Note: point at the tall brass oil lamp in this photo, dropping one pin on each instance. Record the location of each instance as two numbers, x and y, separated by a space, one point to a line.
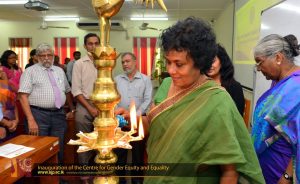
105 97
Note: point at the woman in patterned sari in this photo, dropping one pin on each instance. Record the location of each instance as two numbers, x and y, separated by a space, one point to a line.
13 73
276 129
8 111
194 124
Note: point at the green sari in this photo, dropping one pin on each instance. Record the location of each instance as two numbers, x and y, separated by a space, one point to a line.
199 126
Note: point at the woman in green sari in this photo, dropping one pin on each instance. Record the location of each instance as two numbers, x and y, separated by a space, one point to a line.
194 121
194 125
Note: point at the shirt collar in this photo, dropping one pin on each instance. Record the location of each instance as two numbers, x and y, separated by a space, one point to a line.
44 68
137 75
86 58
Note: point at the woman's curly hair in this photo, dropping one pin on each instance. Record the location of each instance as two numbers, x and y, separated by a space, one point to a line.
194 36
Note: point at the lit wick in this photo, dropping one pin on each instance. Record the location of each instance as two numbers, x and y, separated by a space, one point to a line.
141 128
133 117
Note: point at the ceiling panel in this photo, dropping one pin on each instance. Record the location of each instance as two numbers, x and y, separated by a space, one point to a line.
177 9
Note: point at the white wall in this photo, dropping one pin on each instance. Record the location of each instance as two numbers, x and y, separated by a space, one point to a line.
224 27
119 40
240 3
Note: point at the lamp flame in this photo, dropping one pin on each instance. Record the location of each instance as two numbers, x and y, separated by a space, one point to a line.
133 117
141 128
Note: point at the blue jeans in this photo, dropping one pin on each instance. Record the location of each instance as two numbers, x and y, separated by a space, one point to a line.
51 124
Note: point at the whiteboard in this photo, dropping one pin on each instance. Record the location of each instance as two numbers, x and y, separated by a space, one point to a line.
282 19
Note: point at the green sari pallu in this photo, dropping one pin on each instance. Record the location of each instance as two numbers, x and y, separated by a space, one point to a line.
197 131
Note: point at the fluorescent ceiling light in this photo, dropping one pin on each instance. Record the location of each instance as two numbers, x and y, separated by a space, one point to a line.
61 18
13 2
149 18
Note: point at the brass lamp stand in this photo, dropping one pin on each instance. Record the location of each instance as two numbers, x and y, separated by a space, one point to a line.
106 134
105 97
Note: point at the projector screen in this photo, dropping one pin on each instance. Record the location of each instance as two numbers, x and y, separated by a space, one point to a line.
247 33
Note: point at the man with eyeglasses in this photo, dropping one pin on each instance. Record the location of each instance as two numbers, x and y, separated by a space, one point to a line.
84 75
43 91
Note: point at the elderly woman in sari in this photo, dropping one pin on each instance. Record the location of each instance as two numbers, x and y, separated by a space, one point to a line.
193 119
276 129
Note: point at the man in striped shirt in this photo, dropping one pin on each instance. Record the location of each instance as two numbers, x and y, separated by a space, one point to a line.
43 91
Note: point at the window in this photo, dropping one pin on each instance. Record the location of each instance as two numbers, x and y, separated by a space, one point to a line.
144 50
64 47
21 46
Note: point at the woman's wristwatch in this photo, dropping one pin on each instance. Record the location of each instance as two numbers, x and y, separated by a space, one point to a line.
288 177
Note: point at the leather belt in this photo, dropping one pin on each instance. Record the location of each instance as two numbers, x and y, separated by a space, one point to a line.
46 109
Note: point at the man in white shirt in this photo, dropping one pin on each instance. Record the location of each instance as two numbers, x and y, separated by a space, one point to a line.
43 91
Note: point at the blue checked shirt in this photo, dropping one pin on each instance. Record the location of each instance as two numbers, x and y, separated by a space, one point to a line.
139 90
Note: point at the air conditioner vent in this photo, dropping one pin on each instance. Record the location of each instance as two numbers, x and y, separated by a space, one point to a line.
36 5
115 25
87 24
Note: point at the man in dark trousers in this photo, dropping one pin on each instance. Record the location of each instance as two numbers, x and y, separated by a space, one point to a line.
43 91
136 87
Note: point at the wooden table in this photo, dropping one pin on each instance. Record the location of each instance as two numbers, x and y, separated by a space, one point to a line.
46 149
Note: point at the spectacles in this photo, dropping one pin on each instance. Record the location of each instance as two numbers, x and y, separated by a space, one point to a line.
259 63
46 56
